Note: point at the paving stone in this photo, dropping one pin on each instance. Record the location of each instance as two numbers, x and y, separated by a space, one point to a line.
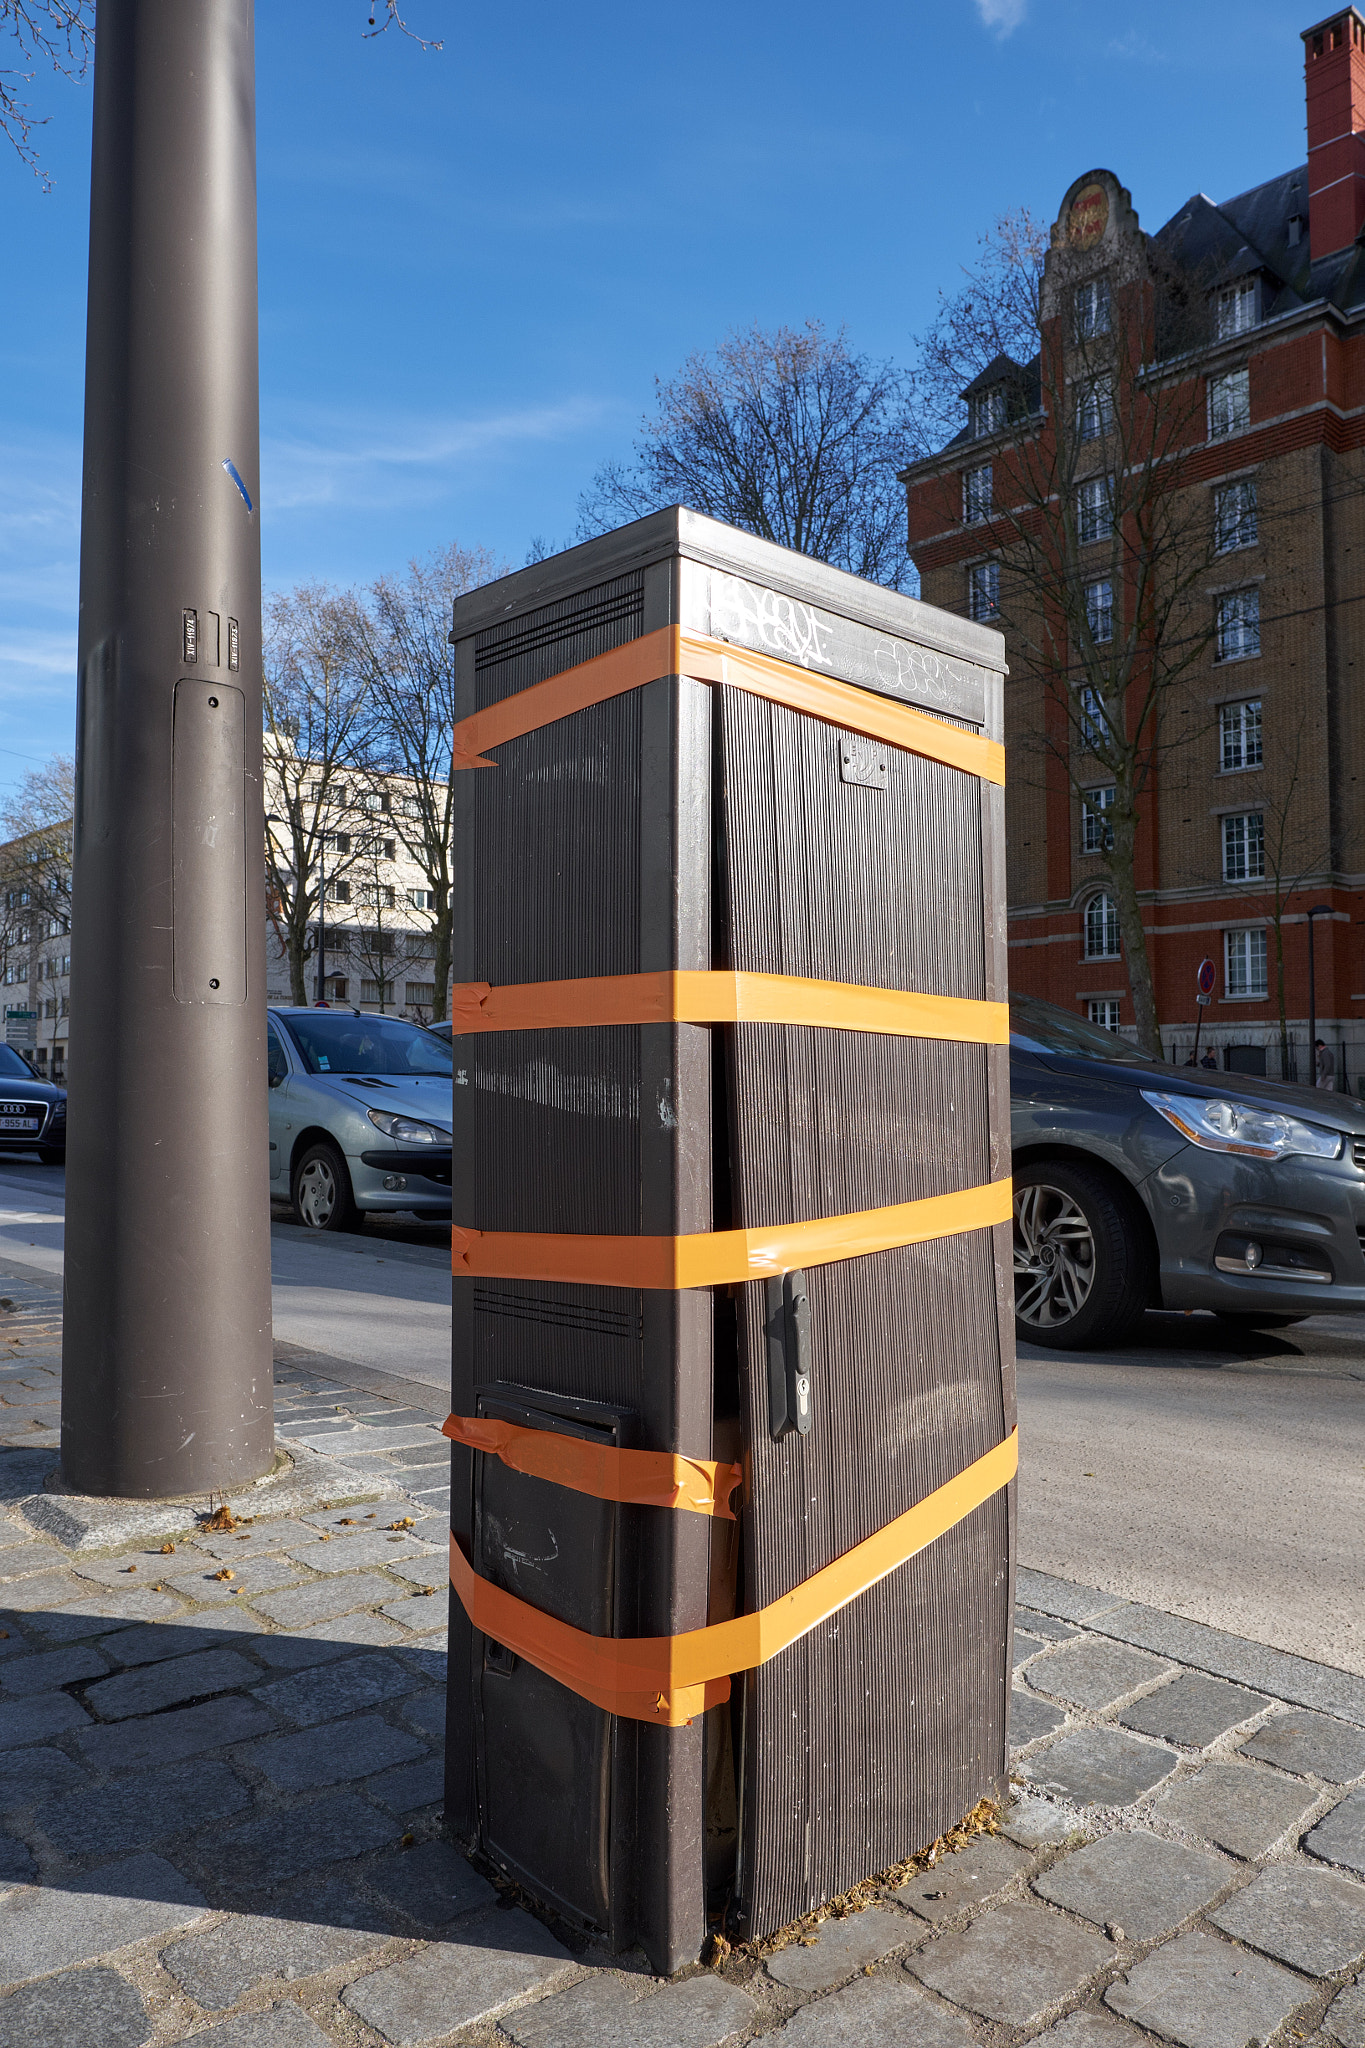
324 1756
16 1862
20 1559
1013 1963
13 1643
430 1569
153 1686
1240 1809
140 1811
1088 2030
278 1845
428 1654
249 1576
1099 1767
977 1872
225 1962
156 1642
297 1606
284 2026
1311 1745
36 1775
1031 1717
1062 1597
836 1948
1036 1823
876 2012
1045 1625
79 2009
1345 2020
381 1511
495 1959
1203 1993
52 1927
1276 1672
411 1787
432 1884
1339 1836
125 1574
1136 1882
46 1670
163 1739
427 1713
412 1612
1025 1646
374 1547
327 1640
1311 1919
310 1697
252 1542
1091 1672
1194 1711
608 2011
48 1589
33 1720
93 1612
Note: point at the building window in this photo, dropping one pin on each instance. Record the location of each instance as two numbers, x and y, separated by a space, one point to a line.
419 991
376 991
1234 516
1091 308
1097 832
338 892
1101 928
372 800
1229 404
1244 847
983 590
1237 308
1104 1011
1239 735
1238 626
976 494
1094 510
986 411
377 896
410 807
422 899
1094 409
338 842
1094 720
1099 611
1244 963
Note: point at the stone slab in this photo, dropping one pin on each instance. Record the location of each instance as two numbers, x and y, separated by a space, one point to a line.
429 1654
47 1589
1088 2030
1045 1625
261 1539
249 1576
1135 1882
496 1960
1314 1920
1311 1745
1285 1677
1025 1646
55 1926
48 1670
1339 1836
273 1846
1063 1598
1037 1823
412 1612
296 1606
411 1786
1031 1717
1345 2019
151 1687
834 1949
35 1719
1194 1711
427 1713
388 1508
1201 1992
422 1572
310 1697
430 1885
1242 1810
608 2011
964 1879
1092 1672
324 1756
1099 1767
78 2009
96 1610
1013 1963
224 1963
168 1738
140 1811
325 1641
37 1775
16 1863
18 1560
876 2012
379 1549
284 2026
155 1642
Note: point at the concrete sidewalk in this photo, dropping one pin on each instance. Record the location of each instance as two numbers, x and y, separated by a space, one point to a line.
220 1802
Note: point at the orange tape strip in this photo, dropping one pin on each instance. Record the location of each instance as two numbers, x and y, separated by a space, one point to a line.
651 1479
671 1679
723 998
719 1258
670 652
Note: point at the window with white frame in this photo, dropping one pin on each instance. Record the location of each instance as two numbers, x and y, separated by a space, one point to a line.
377 896
1094 509
983 590
1097 831
1090 308
419 991
1244 963
1101 928
1094 409
1237 635
1237 307
422 899
1234 515
1229 404
1104 1011
372 800
376 991
410 806
1094 720
1099 610
976 494
1244 847
1239 735
338 892
986 410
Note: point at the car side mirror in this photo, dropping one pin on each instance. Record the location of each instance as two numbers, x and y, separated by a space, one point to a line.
275 1077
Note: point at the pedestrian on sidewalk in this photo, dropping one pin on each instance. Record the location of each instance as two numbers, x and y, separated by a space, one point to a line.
1325 1061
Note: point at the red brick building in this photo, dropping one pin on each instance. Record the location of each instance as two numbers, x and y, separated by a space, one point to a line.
1266 799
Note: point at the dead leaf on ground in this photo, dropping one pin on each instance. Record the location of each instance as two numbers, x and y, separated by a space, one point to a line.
168 1550
130 1567
403 1522
325 1537
223 1574
221 1519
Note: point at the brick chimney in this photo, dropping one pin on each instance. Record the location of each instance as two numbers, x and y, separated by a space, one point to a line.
1334 79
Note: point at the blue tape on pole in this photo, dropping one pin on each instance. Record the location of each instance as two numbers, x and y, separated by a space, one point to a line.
233 472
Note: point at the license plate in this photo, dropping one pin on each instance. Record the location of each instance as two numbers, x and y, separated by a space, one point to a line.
19 1123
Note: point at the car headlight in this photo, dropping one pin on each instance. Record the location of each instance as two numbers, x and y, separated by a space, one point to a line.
404 1131
1222 1126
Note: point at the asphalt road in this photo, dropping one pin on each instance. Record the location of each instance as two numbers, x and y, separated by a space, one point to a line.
1222 1481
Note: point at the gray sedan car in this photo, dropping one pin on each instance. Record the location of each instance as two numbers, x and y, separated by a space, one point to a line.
360 1110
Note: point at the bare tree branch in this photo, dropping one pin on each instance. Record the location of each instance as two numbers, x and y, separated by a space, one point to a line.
56 32
393 19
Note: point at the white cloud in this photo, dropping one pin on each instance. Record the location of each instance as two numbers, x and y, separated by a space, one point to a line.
1004 16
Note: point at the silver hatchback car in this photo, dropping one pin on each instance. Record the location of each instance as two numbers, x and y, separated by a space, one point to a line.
360 1110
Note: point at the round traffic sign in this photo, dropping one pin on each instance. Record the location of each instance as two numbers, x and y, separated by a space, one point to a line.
1206 974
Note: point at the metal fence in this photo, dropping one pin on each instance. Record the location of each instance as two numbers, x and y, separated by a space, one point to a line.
1259 1052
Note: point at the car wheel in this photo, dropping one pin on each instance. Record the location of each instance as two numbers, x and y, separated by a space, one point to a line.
1249 1319
1082 1266
321 1190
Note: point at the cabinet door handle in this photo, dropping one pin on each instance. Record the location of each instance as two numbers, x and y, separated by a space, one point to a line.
789 1355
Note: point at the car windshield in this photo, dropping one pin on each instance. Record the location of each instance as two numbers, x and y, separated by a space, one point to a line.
1042 1027
12 1067
336 1042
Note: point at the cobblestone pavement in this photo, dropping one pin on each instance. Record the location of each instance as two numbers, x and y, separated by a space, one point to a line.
220 1804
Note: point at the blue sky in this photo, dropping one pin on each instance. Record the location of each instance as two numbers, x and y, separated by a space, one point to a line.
474 264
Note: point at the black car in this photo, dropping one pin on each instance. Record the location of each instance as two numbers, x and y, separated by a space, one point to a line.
32 1112
1140 1185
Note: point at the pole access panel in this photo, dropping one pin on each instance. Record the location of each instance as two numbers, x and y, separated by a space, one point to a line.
732 1388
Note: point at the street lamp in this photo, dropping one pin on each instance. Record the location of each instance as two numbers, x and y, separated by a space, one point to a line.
1318 910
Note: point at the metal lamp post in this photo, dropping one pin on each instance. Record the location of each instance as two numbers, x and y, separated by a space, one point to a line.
167 1373
1318 910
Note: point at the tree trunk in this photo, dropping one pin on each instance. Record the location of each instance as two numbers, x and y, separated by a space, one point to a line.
1124 885
1277 920
296 951
440 933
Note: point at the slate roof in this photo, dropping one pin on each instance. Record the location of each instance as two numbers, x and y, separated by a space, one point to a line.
1239 237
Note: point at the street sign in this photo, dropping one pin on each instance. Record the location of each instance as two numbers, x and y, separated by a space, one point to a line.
21 1027
1206 978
